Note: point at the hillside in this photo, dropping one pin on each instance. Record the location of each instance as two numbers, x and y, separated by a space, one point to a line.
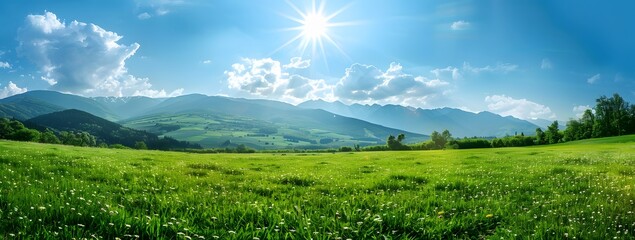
581 190
460 123
219 121
34 103
104 130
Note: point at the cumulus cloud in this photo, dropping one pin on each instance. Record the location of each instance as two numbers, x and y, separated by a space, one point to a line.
10 90
297 62
5 65
460 25
594 78
519 108
159 7
269 78
207 61
144 16
498 68
158 93
360 83
579 110
454 72
78 57
546 64
369 84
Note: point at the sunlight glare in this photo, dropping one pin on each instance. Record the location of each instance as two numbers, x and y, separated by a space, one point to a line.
314 26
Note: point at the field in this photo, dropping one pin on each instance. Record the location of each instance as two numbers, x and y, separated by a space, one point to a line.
583 190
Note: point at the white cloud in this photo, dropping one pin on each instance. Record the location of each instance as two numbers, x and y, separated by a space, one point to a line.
78 57
207 61
158 93
159 7
546 64
360 83
297 62
460 25
144 16
442 72
269 78
498 68
10 90
519 108
5 65
579 110
369 84
594 78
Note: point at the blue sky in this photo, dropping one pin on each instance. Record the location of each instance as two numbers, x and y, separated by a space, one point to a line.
529 59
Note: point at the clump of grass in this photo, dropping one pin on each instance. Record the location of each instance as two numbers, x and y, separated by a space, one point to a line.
297 181
400 182
197 173
577 161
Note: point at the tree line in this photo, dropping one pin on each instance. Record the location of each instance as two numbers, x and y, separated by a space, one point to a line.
12 129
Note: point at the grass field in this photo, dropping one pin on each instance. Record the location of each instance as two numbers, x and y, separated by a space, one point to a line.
583 190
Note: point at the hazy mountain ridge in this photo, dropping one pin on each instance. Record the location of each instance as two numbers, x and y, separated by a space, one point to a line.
459 122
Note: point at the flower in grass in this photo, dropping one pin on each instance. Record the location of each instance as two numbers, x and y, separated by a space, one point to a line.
489 215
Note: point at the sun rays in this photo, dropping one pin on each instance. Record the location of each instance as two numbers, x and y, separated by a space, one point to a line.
314 29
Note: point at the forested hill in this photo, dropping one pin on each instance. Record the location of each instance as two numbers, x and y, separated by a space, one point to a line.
73 120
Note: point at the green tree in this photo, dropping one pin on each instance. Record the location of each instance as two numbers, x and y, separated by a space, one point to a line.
140 145
574 130
553 133
49 137
440 139
611 116
631 120
541 138
395 143
87 140
5 128
587 121
25 134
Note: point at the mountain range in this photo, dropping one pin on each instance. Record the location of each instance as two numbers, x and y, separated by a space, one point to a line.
215 121
460 123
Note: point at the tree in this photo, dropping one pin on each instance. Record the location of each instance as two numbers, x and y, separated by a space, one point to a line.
541 138
440 139
587 121
395 143
87 140
631 120
5 128
553 134
25 134
49 137
611 116
140 145
573 131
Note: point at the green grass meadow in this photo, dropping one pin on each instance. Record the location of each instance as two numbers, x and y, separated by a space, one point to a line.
579 190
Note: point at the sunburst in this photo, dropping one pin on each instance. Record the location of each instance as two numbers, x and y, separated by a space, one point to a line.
314 28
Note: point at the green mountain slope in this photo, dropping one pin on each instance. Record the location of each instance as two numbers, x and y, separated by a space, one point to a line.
35 103
104 130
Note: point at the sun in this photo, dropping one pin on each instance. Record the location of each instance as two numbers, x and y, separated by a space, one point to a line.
314 29
314 26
